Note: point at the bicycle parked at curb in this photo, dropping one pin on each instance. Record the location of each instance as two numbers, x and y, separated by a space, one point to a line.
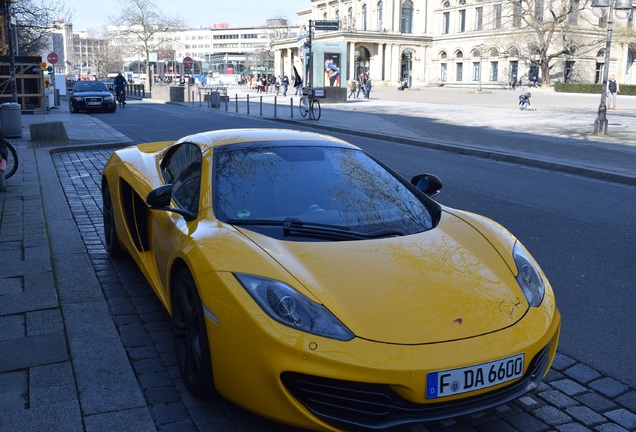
12 160
309 104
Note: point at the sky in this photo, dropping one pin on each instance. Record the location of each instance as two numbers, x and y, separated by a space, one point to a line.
92 14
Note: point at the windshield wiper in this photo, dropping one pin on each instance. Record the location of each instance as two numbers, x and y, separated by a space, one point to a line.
296 227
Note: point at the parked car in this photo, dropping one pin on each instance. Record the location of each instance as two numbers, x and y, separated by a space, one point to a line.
91 96
313 285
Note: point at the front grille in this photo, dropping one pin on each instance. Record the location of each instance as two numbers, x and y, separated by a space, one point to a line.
354 406
93 99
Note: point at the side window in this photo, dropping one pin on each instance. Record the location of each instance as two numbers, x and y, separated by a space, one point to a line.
182 169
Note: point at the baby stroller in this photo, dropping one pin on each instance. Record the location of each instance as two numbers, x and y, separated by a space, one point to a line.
524 101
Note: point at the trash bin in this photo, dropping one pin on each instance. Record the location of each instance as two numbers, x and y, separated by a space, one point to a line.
215 99
11 120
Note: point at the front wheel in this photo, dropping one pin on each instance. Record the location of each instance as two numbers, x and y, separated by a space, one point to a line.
12 160
315 110
113 247
303 106
190 336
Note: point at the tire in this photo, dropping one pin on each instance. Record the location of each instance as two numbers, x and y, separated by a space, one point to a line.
12 160
303 106
190 336
71 108
111 239
315 110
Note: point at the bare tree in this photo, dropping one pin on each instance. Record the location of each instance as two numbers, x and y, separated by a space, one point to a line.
141 28
35 19
547 30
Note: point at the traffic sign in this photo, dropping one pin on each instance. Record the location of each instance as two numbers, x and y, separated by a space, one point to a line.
52 58
188 62
327 25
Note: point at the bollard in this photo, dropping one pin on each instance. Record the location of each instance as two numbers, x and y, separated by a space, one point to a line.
236 101
226 101
291 107
248 103
275 106
261 105
192 97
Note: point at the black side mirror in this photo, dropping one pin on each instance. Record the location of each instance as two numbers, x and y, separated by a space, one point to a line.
427 183
159 199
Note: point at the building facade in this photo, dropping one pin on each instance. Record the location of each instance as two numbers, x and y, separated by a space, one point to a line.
490 43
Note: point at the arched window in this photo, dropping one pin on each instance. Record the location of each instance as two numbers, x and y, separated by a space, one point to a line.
380 13
364 16
337 15
406 19
446 19
350 17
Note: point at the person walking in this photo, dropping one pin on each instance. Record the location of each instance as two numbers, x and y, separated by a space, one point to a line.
353 86
285 82
612 89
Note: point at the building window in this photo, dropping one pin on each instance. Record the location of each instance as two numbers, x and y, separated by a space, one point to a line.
574 12
516 17
445 22
459 73
337 15
406 24
497 13
476 71
364 17
494 71
442 72
462 20
538 10
380 13
479 18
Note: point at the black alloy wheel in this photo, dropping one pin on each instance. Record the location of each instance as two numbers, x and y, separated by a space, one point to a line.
113 247
190 336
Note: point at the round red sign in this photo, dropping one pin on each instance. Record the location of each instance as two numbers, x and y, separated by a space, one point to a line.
188 62
52 58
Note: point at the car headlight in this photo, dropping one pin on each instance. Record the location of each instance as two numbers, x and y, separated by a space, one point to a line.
287 306
108 98
79 98
528 276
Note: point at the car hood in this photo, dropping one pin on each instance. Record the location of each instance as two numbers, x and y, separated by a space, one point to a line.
445 284
92 94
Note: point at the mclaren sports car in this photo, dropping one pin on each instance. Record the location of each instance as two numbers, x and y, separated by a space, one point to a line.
313 285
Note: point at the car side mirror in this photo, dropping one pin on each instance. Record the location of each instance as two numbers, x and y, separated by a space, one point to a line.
160 198
427 183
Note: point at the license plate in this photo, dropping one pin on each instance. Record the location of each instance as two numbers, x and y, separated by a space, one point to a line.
93 103
471 378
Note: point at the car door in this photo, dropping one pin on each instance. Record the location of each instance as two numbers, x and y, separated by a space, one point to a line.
182 168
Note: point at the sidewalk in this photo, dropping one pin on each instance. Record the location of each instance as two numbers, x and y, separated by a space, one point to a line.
59 374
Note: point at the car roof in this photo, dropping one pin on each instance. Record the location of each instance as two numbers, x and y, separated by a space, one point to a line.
226 137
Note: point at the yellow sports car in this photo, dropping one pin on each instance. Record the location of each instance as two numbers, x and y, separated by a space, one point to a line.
311 284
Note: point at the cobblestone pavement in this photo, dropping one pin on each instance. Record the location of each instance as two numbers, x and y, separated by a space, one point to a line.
572 398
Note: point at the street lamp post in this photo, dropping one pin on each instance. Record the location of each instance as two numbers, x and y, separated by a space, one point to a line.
599 9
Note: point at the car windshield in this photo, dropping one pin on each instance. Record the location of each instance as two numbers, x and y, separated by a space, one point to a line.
90 86
298 191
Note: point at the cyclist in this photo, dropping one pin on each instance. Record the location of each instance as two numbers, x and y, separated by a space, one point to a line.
120 88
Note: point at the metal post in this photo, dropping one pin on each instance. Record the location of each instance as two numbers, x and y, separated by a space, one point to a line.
291 107
248 103
600 124
261 106
275 106
236 102
7 26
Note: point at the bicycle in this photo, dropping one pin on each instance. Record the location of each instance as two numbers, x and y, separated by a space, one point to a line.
121 96
12 160
309 105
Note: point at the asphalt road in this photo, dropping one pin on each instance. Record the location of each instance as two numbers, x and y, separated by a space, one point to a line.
579 229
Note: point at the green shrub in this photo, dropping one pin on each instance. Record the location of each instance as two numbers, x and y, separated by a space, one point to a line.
625 89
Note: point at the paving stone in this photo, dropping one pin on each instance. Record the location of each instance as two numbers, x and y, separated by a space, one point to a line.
585 415
573 427
582 373
32 351
562 362
552 415
527 423
137 419
55 382
154 379
569 387
13 391
44 322
610 427
609 387
628 400
623 417
596 402
183 426
169 413
162 395
12 327
495 426
558 399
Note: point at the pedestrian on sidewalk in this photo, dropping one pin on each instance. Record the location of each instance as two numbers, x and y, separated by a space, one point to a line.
4 151
285 82
612 89
524 101
353 86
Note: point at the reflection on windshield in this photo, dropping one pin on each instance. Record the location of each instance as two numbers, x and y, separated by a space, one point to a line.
323 185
